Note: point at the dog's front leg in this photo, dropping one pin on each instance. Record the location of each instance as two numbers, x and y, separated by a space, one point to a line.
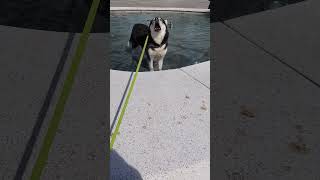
161 59
150 57
160 64
151 64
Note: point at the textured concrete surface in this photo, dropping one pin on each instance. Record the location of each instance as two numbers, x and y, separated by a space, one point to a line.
280 140
291 33
197 171
167 123
166 3
79 150
199 72
27 67
266 116
25 73
80 147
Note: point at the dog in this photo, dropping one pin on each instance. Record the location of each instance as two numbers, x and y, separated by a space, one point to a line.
157 44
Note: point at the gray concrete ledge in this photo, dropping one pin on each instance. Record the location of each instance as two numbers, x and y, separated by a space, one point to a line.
199 10
154 3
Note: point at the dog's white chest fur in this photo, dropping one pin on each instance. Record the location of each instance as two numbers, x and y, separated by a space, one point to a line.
157 54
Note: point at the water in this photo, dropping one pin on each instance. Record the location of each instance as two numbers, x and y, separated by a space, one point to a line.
189 38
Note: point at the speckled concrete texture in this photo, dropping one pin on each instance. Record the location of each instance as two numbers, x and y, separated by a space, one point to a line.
291 33
26 69
167 123
80 147
266 116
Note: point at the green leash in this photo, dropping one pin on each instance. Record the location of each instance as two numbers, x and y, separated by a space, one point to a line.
114 135
67 86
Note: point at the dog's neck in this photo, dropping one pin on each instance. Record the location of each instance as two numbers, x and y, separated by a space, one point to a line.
158 36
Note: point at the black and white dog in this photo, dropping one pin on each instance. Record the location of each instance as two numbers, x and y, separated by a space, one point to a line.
157 44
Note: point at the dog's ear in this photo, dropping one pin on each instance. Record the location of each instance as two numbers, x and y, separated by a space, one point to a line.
166 21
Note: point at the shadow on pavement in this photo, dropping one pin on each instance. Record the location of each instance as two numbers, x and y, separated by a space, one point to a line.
58 15
120 169
229 9
120 104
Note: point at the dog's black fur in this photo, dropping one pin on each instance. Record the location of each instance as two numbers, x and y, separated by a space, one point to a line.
139 34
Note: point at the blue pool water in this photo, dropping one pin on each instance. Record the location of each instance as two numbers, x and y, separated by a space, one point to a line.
189 39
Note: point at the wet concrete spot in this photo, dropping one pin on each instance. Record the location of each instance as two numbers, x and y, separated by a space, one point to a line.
59 131
286 168
91 156
144 127
299 128
228 152
298 147
187 97
179 122
236 175
149 117
241 132
184 117
247 112
149 104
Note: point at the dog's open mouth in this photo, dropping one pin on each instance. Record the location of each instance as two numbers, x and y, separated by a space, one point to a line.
157 27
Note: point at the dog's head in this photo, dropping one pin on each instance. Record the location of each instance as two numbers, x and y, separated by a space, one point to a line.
158 25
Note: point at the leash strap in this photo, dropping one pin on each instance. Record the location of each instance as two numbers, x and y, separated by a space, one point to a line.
115 133
67 86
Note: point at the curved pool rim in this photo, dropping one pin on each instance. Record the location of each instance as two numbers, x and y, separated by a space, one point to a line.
196 10
182 10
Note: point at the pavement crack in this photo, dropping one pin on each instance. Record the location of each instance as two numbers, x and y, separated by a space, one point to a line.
277 58
195 79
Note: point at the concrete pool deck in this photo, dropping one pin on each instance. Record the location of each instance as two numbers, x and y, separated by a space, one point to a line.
167 122
267 94
27 69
